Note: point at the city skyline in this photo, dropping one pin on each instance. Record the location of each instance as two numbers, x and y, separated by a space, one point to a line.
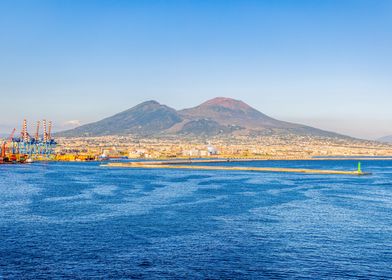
323 64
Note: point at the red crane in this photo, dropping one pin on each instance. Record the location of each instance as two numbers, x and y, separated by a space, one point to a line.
50 131
4 146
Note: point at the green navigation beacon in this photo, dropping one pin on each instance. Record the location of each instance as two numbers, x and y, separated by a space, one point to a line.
359 167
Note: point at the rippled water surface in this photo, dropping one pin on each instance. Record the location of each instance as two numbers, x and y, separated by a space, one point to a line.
80 220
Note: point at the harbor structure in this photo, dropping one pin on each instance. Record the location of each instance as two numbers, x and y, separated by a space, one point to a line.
26 147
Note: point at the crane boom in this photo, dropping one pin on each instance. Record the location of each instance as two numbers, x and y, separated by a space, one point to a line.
37 131
12 135
45 133
50 130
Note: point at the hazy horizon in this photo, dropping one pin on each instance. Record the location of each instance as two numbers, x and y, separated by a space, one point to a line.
325 64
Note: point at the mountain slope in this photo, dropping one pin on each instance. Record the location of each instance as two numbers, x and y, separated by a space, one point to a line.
228 111
235 115
385 139
218 116
147 118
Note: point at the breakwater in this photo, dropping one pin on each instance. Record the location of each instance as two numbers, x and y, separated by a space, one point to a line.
189 164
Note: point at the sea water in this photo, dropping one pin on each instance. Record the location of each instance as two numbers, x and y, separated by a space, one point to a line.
81 220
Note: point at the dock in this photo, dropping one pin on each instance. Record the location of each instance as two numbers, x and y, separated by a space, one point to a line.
187 164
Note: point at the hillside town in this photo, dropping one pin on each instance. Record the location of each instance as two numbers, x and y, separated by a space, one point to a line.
265 147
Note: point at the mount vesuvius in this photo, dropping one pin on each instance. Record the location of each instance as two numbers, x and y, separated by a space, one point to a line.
216 117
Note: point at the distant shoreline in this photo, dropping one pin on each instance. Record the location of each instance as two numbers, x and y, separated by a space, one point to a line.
212 160
187 160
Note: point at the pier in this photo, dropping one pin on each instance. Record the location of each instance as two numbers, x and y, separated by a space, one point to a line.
188 164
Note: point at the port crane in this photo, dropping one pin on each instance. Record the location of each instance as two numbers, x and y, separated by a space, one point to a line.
4 145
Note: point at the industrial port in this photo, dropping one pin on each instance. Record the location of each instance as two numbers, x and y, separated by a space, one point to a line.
26 147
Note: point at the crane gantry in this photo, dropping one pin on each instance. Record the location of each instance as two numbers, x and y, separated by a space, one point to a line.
24 147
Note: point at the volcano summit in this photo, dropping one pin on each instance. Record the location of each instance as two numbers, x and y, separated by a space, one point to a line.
216 117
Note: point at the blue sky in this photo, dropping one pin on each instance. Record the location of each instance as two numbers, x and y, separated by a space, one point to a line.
319 62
